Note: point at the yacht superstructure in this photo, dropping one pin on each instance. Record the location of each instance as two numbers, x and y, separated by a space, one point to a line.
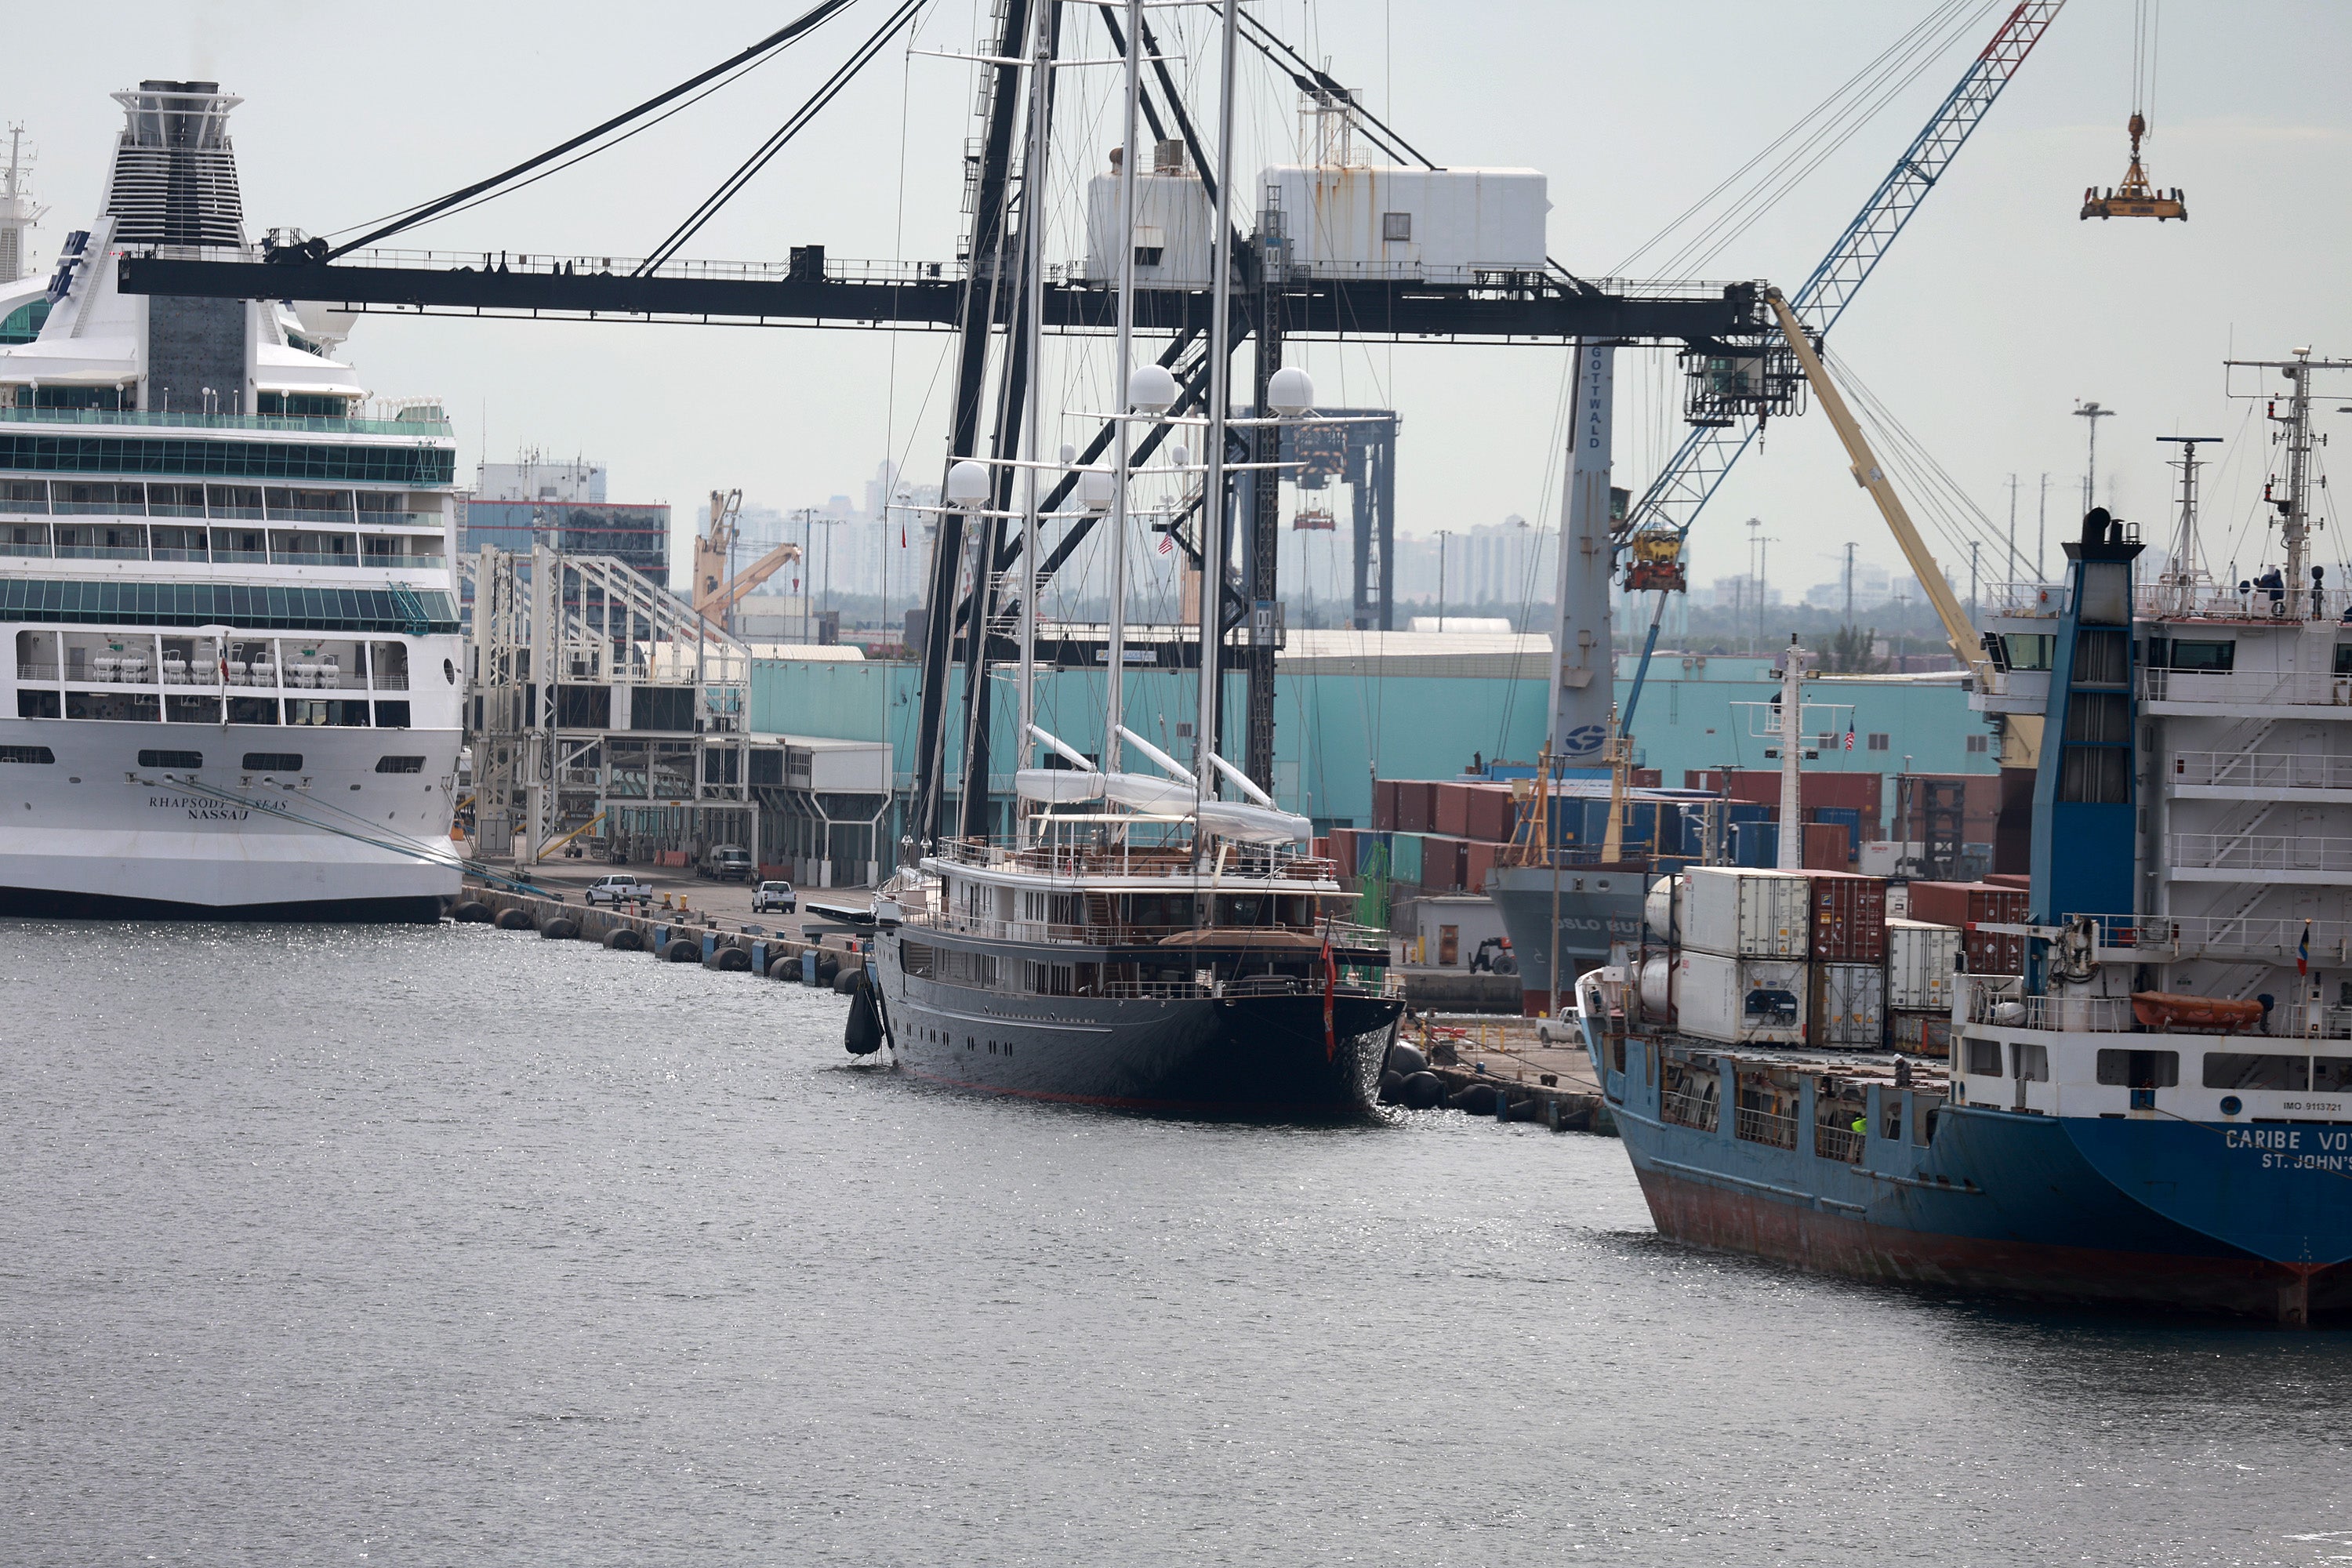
233 672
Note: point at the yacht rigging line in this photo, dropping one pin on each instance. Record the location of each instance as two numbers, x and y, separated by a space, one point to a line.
782 38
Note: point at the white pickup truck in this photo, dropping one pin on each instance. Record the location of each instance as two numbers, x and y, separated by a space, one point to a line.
616 889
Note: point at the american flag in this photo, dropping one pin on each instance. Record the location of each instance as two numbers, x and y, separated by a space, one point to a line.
1167 542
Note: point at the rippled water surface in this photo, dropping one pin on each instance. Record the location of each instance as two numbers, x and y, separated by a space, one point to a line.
421 1246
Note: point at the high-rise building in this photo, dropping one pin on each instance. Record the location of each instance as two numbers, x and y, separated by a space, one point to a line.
561 504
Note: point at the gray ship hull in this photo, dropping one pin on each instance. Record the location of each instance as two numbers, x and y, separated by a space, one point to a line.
1597 905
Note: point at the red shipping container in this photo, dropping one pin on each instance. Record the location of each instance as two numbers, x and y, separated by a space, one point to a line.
1964 904
1384 805
1480 861
2012 880
1452 813
1648 778
1493 813
1343 850
1827 846
1848 916
1416 806
1443 862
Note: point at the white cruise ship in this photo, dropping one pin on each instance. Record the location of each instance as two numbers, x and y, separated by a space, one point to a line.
232 655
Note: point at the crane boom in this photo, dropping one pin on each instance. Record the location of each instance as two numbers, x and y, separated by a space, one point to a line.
1872 478
1682 488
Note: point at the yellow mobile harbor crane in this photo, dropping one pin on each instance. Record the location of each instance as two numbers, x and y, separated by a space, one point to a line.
718 585
2020 736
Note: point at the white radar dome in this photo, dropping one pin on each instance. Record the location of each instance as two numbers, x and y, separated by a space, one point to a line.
1290 392
1151 390
967 484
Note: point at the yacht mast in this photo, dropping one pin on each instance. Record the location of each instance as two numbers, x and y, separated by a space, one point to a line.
1212 495
1033 282
1123 438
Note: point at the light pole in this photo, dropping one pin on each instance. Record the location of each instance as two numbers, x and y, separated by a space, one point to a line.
1442 534
2091 414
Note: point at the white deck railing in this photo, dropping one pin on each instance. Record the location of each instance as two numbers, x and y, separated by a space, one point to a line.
2263 769
2259 852
2247 689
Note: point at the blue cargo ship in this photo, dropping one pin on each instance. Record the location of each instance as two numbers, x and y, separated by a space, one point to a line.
2157 1110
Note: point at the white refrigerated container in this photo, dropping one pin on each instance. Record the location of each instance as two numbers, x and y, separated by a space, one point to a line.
1740 1001
1744 914
1919 959
1849 1005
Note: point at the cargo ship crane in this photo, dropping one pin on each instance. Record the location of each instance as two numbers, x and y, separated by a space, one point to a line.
1732 397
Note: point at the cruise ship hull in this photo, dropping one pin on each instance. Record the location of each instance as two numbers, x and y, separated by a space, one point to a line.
1596 908
1249 1056
93 834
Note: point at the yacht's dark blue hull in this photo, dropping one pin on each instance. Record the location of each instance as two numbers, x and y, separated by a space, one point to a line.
1240 1054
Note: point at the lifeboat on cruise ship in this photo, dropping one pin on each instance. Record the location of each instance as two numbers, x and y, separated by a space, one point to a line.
2168 1010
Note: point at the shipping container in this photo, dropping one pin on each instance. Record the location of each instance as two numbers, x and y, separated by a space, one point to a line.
1848 1005
1343 850
1848 919
1416 806
1964 904
1384 805
1478 862
1756 844
1747 914
1919 956
1443 863
1739 1001
1920 1034
1492 814
1404 856
1449 809
1828 847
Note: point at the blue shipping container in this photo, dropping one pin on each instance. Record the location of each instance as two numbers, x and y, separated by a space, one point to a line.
1756 844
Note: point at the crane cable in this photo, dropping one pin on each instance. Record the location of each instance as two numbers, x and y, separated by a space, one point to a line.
1841 113
782 38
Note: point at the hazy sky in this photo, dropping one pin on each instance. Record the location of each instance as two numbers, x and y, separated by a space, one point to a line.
1996 311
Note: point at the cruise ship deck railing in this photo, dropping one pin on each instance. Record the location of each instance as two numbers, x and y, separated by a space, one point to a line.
318 425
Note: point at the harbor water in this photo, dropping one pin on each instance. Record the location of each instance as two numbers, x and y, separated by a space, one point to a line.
425 1244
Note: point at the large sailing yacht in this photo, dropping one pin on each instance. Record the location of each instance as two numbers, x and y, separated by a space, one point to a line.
232 660
1142 942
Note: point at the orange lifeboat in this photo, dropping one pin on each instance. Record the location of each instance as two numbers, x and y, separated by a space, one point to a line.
2167 1010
